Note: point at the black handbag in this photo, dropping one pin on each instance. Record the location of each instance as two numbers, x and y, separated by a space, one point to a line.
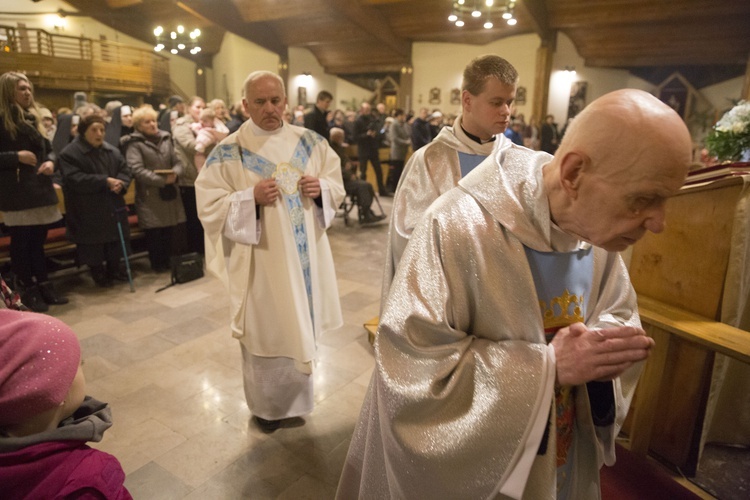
168 192
185 268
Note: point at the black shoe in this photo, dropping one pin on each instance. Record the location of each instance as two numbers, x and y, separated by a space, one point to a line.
100 277
267 426
386 194
50 295
32 298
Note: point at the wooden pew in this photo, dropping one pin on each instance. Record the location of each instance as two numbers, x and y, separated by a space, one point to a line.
687 279
57 243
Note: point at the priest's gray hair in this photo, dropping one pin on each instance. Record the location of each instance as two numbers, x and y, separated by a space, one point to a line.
256 75
481 68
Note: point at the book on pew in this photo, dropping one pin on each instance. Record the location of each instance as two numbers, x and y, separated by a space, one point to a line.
716 172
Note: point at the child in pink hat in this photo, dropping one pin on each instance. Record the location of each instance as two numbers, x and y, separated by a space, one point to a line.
45 417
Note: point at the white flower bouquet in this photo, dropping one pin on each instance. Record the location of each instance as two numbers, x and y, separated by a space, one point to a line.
729 140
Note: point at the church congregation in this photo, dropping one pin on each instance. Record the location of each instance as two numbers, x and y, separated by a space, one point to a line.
509 347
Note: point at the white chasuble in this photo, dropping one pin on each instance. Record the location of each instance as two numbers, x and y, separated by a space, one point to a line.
275 260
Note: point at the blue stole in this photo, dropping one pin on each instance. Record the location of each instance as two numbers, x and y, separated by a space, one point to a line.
266 168
468 162
563 285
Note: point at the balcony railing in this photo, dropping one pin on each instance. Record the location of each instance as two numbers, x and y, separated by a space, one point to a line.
67 62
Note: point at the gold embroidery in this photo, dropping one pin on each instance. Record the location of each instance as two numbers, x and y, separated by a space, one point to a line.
287 177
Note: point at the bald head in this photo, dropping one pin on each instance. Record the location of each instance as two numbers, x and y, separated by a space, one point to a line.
621 158
624 124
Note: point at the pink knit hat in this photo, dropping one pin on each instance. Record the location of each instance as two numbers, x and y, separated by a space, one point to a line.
39 358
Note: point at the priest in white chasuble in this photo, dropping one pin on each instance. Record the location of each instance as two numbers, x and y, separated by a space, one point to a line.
265 197
487 93
510 344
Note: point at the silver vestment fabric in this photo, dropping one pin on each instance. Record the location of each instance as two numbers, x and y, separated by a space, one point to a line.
430 172
461 359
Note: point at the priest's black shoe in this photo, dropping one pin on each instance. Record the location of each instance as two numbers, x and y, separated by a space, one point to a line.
267 426
50 295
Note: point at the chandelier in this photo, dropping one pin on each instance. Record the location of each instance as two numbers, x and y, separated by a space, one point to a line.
482 11
177 41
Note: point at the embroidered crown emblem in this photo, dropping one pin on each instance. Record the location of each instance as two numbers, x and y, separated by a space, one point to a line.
562 311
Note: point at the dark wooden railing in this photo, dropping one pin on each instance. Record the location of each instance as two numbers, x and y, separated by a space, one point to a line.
72 63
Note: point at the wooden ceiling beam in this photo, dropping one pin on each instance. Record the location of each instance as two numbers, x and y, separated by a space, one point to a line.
262 34
538 17
257 11
373 22
119 4
585 14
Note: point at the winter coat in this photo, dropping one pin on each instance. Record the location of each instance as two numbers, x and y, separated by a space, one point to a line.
59 464
143 157
21 187
184 145
92 211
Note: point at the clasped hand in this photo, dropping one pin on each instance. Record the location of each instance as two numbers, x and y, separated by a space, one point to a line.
266 192
114 185
585 355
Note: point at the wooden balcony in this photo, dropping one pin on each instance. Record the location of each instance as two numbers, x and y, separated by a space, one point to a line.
64 62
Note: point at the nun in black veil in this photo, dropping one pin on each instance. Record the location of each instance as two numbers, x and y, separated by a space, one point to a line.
119 126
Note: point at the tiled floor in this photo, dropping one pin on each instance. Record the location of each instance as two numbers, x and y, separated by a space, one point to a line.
169 368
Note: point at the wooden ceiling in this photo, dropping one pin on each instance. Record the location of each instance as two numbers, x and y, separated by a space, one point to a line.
375 36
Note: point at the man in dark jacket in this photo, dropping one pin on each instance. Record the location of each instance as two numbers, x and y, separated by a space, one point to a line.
361 190
368 142
168 116
315 118
421 134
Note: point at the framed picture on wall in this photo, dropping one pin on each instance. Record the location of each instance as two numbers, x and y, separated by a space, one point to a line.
521 95
302 96
456 97
434 95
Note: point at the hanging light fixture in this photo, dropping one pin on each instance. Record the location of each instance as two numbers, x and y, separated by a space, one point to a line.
486 11
177 41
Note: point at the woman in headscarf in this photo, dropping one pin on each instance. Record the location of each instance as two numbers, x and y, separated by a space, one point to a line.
95 180
27 197
155 167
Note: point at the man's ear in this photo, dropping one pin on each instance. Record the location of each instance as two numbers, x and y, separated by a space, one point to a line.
572 169
466 100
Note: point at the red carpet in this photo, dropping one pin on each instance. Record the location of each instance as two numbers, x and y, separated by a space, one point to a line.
635 478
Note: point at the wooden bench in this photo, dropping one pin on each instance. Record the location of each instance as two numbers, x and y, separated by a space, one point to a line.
57 242
668 410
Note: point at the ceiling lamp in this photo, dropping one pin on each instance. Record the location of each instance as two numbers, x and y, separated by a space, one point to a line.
177 41
483 10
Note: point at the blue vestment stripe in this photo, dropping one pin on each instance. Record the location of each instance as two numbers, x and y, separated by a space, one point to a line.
265 169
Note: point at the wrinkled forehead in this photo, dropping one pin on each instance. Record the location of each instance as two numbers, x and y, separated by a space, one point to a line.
265 86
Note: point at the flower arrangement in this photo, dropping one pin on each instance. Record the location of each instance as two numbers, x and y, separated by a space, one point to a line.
729 140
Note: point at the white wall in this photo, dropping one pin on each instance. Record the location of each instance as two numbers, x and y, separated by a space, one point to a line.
236 59
442 65
303 61
722 95
600 80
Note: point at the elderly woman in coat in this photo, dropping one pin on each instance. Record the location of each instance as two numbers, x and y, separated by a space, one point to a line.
95 180
155 166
